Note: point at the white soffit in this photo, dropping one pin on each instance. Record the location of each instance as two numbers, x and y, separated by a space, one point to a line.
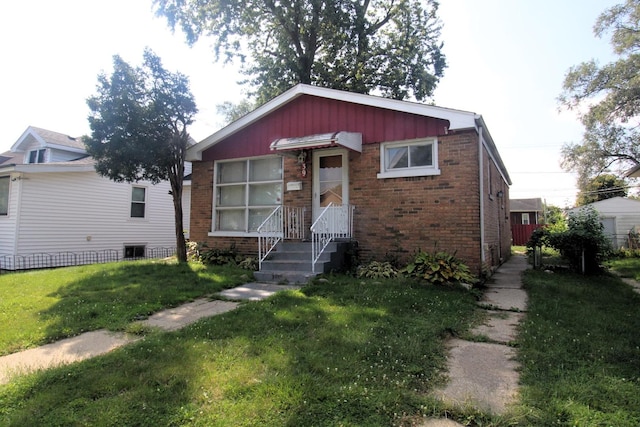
350 140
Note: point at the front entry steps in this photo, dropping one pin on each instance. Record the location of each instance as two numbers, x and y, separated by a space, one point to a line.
290 262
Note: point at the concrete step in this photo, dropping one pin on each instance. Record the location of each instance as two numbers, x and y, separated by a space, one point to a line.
291 262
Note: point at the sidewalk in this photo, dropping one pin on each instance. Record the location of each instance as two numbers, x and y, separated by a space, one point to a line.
95 343
484 375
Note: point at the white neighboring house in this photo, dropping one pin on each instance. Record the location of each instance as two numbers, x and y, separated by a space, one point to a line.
619 216
56 210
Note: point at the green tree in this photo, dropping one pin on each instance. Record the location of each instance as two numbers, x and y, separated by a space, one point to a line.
602 187
554 218
608 97
138 122
391 46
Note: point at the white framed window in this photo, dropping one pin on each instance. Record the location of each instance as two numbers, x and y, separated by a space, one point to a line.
245 193
37 156
525 218
4 195
418 157
138 202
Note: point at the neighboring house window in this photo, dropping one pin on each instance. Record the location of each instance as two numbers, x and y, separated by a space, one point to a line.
525 218
37 156
4 195
409 158
138 201
134 251
246 192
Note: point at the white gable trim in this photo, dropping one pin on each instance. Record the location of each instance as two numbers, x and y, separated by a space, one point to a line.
458 119
16 147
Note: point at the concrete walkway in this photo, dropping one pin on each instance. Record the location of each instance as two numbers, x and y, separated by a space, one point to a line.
91 344
484 375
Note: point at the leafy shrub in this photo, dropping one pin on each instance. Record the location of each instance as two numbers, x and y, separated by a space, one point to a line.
584 236
249 263
377 270
219 256
439 268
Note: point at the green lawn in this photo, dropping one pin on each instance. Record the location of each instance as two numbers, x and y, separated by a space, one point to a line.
43 306
580 351
341 353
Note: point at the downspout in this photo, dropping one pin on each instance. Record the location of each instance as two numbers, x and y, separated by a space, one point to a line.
483 257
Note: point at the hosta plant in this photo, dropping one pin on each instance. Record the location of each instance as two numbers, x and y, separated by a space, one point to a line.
439 268
377 270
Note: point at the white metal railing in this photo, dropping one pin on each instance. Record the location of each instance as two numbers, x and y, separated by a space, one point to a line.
335 222
284 222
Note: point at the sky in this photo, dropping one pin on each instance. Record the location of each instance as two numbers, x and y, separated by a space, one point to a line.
506 61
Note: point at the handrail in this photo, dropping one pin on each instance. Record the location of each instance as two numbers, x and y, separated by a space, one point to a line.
335 222
269 234
284 222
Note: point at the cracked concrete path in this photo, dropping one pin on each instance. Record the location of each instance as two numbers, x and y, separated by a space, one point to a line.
95 343
484 375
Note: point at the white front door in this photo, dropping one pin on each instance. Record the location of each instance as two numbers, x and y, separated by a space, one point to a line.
330 179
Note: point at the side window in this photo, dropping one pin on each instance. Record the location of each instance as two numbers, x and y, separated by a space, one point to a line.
37 156
4 195
138 202
525 218
409 158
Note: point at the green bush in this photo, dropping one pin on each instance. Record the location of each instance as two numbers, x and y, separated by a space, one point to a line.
377 270
249 263
584 236
439 268
217 256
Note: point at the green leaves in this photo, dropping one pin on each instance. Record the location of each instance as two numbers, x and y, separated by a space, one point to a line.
350 45
608 99
138 121
439 268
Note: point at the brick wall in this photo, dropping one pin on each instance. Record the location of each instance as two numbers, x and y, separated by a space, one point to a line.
397 216
497 228
394 217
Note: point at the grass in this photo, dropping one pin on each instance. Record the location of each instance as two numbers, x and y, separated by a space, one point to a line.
342 353
580 351
42 306
626 267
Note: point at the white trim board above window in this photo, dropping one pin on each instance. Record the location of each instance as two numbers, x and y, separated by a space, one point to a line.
416 157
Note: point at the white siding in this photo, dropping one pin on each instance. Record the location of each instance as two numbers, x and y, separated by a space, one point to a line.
84 212
62 156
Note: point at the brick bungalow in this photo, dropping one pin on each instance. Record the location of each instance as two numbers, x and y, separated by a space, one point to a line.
398 176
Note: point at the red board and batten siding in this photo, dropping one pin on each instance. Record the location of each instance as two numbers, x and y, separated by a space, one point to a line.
308 115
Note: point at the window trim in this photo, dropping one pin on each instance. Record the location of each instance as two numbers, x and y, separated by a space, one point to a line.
524 215
144 203
246 206
8 178
409 171
36 154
